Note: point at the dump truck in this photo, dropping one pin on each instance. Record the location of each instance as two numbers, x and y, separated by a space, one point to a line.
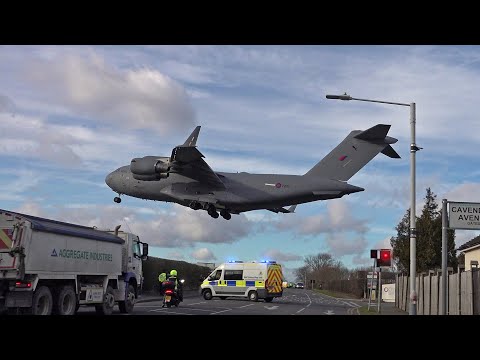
52 267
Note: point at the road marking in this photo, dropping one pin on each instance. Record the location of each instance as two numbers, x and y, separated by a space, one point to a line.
218 312
309 300
270 307
299 311
245 306
175 312
203 302
329 312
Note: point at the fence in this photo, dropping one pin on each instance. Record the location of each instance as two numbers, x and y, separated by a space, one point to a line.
463 292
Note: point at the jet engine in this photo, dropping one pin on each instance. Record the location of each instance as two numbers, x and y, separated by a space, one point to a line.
150 168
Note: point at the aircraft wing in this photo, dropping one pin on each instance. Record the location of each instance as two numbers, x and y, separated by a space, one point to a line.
188 161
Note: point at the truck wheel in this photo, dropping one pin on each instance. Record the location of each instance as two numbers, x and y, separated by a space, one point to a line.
268 299
66 301
108 303
126 307
42 301
207 295
253 296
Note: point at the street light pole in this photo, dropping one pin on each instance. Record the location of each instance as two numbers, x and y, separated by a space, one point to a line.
413 231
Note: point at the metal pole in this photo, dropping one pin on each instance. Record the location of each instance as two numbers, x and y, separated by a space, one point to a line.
371 284
443 285
380 290
413 230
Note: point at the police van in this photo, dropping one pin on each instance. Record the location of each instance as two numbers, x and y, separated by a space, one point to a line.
255 280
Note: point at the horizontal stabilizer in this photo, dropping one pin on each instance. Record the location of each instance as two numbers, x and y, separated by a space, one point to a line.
390 152
378 132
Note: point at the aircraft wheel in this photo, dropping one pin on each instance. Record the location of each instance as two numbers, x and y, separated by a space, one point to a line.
117 199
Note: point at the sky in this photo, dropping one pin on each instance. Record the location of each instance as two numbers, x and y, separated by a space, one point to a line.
69 115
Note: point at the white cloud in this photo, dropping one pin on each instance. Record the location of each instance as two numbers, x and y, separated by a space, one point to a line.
203 254
466 192
279 256
6 104
24 181
141 98
31 209
339 218
340 245
180 227
175 255
383 244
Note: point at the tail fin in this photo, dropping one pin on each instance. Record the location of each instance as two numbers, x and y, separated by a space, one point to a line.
354 152
192 139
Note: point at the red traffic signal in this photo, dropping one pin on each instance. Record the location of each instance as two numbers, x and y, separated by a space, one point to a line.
385 258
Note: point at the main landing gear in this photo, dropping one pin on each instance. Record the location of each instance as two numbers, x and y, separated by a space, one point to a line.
211 209
225 214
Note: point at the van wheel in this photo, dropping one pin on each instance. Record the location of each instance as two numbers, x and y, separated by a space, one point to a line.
253 296
268 299
223 297
207 295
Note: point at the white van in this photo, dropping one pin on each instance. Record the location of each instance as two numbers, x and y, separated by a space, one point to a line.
255 280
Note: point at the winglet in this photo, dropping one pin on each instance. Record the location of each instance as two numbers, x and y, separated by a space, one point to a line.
292 208
192 139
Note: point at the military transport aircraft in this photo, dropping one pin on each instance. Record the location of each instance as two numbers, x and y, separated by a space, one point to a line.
186 179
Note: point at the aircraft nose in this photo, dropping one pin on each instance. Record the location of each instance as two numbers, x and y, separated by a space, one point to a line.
109 180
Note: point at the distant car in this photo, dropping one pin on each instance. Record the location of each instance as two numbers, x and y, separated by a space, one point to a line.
299 285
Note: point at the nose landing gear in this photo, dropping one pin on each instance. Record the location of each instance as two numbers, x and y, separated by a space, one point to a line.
117 199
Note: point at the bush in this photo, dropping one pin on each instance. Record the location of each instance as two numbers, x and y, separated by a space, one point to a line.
192 273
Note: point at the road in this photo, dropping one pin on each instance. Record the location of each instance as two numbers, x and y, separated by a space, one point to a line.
293 302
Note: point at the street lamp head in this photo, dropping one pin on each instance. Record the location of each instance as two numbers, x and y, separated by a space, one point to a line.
340 97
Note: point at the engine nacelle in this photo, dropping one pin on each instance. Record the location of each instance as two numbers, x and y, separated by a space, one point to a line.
150 168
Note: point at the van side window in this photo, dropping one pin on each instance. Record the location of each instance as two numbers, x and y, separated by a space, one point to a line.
233 275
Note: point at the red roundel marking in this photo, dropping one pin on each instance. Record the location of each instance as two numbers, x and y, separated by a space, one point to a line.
342 157
278 185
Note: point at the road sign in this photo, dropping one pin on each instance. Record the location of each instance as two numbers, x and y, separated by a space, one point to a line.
463 215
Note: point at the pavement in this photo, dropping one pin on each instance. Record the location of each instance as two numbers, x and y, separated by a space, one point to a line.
387 308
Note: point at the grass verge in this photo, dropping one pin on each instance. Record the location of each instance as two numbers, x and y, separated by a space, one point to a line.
364 310
336 294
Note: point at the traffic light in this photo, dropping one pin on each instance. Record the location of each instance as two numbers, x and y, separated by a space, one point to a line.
385 258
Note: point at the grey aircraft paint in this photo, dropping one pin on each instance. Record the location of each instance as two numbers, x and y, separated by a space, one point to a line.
186 179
